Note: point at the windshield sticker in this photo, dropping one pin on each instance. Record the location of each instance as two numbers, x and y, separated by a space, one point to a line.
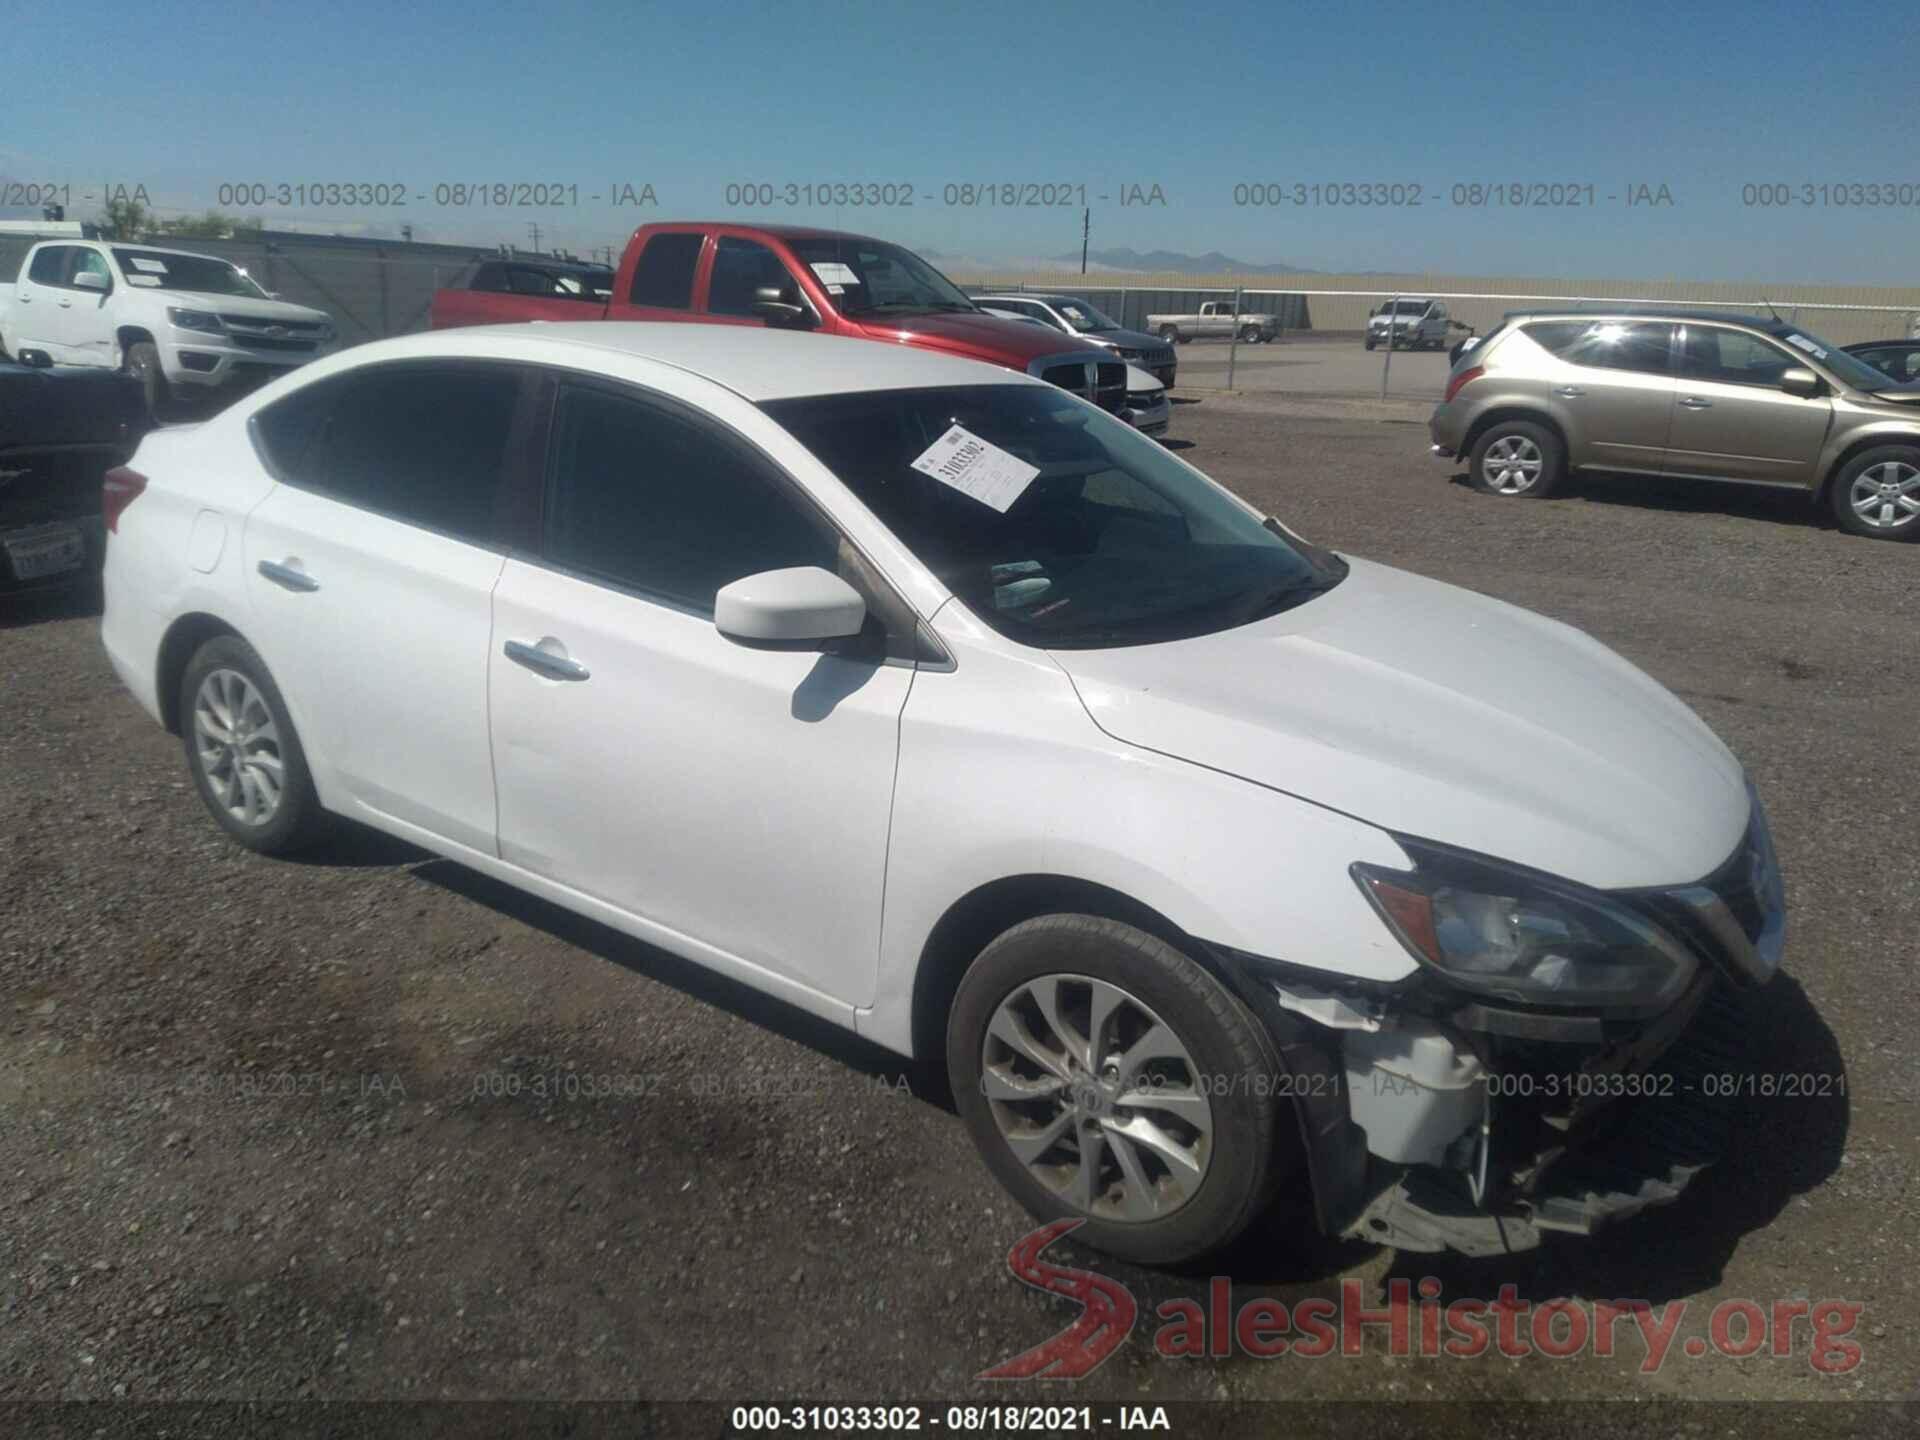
150 281
832 272
1807 345
977 469
152 267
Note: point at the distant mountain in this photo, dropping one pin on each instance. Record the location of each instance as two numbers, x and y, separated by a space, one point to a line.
1179 262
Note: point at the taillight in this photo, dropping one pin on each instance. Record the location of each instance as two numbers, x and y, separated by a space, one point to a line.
1471 373
119 489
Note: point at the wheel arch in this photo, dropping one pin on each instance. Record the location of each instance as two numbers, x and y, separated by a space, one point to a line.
1335 1164
128 336
177 648
989 910
1532 414
1873 440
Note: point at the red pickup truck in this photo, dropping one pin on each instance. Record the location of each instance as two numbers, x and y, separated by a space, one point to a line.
804 279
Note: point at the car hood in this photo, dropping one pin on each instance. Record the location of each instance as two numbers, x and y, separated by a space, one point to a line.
1130 339
1004 342
1436 712
264 310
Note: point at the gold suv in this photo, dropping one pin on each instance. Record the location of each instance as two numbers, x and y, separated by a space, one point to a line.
1685 393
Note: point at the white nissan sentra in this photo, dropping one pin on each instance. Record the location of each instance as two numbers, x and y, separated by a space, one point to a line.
1216 868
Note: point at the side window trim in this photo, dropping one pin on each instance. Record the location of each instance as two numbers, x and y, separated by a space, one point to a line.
908 639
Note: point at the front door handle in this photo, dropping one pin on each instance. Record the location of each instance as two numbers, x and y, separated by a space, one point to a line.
288 578
545 662
1694 402
1569 392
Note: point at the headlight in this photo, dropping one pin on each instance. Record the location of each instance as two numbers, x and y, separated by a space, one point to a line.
1517 936
203 320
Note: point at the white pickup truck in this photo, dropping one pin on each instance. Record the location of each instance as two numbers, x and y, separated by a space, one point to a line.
1216 317
172 319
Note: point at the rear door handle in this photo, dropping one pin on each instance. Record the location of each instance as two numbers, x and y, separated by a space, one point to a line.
1569 392
545 662
287 577
1694 402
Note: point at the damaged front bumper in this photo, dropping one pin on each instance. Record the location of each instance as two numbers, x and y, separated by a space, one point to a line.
1434 1121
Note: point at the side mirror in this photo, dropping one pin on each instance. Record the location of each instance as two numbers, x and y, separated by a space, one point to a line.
1798 380
771 303
92 280
789 609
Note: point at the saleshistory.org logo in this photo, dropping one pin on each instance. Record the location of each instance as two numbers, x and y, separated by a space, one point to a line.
1412 1321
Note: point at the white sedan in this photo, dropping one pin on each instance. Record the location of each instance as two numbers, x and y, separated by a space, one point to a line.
1211 865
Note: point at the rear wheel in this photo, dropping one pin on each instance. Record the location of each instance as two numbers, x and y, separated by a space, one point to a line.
1517 458
1877 493
1104 1074
241 747
1170 334
1249 334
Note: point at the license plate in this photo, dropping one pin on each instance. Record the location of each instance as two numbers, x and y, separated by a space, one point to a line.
38 553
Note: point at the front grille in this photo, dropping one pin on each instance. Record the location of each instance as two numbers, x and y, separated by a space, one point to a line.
1110 385
1067 377
253 324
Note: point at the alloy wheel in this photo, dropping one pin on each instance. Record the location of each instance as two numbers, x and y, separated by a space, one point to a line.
1098 1097
238 747
1886 496
1512 465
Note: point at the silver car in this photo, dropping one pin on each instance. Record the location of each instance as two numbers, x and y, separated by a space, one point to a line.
1687 394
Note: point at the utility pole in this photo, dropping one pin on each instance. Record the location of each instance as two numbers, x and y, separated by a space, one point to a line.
1086 227
533 229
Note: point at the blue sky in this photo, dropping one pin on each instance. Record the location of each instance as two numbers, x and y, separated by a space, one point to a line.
689 98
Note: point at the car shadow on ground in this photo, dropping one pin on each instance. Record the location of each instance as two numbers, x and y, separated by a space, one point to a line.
1693 497
696 981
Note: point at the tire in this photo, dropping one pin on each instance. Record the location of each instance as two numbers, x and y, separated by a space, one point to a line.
143 363
1171 334
1874 479
1249 334
295 819
1537 462
1225 1075
1368 342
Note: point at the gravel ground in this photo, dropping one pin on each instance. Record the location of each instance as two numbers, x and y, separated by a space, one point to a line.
275 1130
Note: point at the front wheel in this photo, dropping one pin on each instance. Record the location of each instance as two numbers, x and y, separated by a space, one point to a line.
1170 334
143 364
1249 334
1104 1074
1518 458
243 753
1877 494
1368 342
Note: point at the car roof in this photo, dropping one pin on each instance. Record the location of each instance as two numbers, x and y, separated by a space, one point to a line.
784 232
757 364
1648 311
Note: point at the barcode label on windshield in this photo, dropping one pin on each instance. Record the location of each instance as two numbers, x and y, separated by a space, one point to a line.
977 468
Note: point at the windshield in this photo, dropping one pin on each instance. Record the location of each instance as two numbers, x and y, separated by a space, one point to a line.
869 277
1084 317
202 274
1406 307
1850 368
1104 539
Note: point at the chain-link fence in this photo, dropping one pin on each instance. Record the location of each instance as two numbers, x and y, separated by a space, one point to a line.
1380 343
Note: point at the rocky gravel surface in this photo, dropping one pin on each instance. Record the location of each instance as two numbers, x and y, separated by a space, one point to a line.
367 1126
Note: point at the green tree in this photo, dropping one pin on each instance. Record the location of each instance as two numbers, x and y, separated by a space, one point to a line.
210 226
124 219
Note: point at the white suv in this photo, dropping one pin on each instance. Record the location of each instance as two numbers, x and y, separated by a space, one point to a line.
933 700
175 320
